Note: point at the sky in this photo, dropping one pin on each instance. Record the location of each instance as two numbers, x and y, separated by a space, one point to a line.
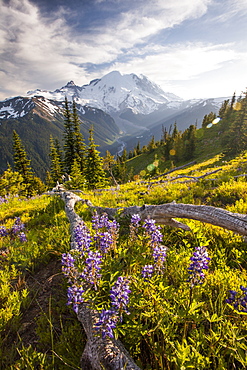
192 48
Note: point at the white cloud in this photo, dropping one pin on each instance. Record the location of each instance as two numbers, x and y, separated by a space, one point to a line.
39 52
39 48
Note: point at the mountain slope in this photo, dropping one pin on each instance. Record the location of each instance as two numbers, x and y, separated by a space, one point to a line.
113 93
36 118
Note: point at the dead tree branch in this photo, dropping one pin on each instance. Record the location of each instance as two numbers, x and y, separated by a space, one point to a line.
107 353
98 354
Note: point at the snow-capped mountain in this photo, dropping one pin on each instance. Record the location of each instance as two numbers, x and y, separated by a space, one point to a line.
114 93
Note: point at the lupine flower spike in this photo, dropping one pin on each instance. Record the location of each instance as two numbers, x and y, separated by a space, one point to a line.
239 302
199 263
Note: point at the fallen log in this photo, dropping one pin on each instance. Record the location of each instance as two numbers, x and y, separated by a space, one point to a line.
174 169
98 354
108 353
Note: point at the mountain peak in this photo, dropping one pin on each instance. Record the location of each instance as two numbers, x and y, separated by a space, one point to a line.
115 92
70 84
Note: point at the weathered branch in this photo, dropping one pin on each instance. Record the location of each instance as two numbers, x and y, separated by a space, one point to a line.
107 353
195 178
174 169
98 354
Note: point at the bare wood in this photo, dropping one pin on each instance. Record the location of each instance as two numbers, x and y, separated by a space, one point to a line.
175 169
195 178
107 353
98 354
165 213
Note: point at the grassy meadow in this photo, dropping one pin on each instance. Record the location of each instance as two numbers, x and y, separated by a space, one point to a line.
170 322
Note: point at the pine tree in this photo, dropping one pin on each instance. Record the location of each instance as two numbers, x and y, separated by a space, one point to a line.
236 137
224 109
109 162
78 180
79 145
188 138
11 182
32 184
151 145
208 118
21 162
94 172
56 165
69 147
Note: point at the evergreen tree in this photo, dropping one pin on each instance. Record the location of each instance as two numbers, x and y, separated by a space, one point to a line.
56 165
208 118
109 162
11 183
224 109
32 184
94 172
138 149
78 180
21 162
79 145
69 144
236 137
151 145
188 138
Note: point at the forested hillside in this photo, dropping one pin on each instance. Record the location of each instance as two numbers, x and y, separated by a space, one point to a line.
171 288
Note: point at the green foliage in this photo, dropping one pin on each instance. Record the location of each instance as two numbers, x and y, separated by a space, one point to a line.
11 183
56 164
94 172
170 325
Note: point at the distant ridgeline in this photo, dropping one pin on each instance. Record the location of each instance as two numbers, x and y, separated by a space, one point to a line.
41 127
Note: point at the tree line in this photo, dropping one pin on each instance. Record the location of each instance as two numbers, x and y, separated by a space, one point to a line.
82 167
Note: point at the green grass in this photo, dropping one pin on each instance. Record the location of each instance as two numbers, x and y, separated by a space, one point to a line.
168 327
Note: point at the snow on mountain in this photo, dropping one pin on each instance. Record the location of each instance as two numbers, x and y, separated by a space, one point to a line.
20 106
115 92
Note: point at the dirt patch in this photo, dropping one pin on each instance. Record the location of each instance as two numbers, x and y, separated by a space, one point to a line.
43 285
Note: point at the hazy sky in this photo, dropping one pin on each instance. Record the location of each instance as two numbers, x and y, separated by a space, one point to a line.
193 48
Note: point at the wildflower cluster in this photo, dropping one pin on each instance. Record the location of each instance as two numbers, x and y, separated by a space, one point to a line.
3 200
82 237
106 232
199 263
15 231
108 319
155 239
238 302
82 265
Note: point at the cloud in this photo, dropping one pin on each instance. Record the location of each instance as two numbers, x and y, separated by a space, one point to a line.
36 50
177 61
42 50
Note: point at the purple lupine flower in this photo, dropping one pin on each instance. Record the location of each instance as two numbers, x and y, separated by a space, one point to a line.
159 256
3 200
199 263
95 221
135 219
104 241
3 231
75 296
22 237
17 227
239 302
156 237
119 294
149 226
147 272
103 221
82 237
91 271
107 322
68 264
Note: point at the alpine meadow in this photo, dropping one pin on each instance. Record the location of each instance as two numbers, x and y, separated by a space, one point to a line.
129 261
